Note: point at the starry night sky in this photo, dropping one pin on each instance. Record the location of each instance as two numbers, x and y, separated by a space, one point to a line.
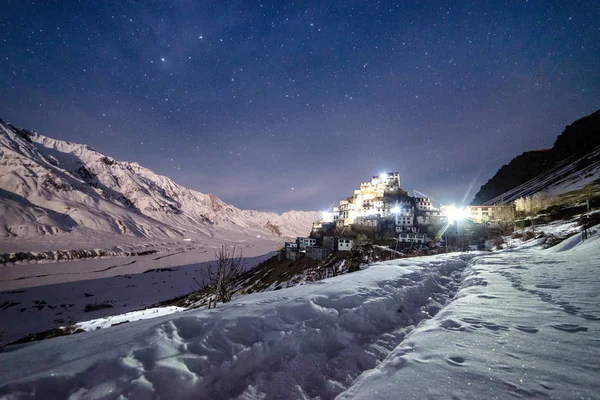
279 105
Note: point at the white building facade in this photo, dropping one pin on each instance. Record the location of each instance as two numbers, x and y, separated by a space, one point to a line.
345 244
409 237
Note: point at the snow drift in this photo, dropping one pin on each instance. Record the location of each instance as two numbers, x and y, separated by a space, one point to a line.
311 340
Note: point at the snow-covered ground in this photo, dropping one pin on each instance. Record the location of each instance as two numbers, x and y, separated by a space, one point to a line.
171 255
114 320
523 322
526 323
27 310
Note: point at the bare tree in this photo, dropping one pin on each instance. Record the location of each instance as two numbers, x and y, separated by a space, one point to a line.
531 204
520 205
221 277
537 202
588 194
362 239
505 215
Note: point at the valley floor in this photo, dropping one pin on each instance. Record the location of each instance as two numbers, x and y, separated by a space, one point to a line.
156 255
117 289
523 322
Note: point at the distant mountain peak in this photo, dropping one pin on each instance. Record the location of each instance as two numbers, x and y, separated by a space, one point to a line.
50 186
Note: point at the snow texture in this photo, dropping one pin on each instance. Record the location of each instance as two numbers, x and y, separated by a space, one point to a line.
522 322
113 320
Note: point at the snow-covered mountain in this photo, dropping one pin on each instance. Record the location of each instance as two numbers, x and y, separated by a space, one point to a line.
53 187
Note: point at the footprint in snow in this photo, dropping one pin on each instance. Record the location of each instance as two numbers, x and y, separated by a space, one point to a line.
547 286
451 325
590 317
494 327
456 360
469 320
527 329
569 328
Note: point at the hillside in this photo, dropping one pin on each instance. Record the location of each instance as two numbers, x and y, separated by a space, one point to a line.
574 155
477 325
63 191
563 177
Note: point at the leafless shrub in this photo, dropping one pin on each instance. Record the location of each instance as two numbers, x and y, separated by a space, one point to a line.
587 221
222 276
505 213
553 240
531 204
498 241
527 235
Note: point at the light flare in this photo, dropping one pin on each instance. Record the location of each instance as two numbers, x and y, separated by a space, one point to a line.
458 214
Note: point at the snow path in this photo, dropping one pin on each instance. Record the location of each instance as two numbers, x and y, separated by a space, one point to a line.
526 324
311 340
517 323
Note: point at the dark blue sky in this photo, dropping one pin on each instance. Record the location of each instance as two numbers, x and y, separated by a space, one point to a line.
277 105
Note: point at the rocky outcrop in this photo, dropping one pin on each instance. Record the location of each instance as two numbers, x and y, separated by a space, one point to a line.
578 139
521 169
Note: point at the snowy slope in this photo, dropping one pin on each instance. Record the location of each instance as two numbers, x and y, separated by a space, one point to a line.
564 177
523 322
51 187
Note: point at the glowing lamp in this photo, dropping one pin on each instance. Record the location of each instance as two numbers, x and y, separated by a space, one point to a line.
457 214
383 177
396 210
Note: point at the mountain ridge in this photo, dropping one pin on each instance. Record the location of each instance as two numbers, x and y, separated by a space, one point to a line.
50 187
578 139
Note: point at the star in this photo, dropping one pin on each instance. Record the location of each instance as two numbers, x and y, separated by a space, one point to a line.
329 107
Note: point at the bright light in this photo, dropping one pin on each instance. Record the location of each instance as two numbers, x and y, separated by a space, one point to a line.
396 210
383 177
457 214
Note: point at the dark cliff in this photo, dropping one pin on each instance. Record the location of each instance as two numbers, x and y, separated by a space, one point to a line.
578 139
